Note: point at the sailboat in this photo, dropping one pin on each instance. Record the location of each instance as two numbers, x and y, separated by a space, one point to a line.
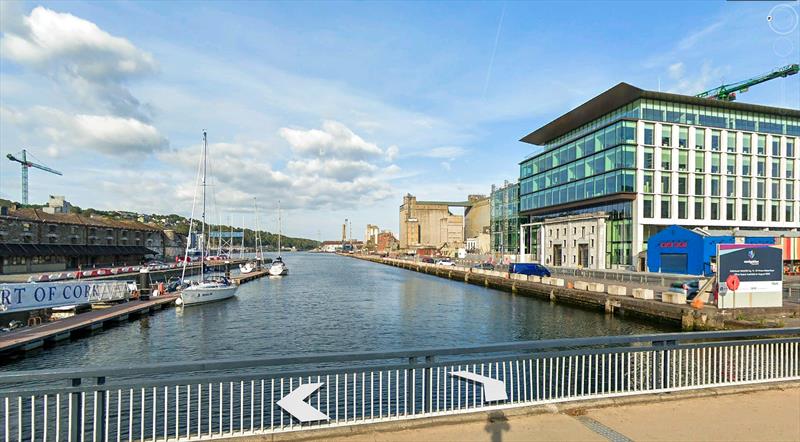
206 289
278 267
251 266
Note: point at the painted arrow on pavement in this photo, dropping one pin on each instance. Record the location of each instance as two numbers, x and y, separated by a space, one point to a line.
294 403
493 390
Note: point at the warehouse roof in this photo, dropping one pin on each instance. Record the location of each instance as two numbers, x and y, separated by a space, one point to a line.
624 93
38 215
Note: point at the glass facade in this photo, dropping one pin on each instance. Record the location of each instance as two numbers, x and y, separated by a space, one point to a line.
504 219
673 150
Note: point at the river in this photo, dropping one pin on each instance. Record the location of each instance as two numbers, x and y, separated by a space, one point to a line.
331 303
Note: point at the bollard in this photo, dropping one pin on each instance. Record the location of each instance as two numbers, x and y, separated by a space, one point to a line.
144 284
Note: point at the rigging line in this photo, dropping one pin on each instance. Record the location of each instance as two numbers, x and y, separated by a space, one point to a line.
191 218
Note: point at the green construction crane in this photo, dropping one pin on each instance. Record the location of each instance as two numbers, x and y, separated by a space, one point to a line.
727 92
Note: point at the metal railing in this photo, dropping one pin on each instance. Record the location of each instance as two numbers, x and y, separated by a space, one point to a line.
211 399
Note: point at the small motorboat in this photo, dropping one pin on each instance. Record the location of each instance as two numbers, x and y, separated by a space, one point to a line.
278 267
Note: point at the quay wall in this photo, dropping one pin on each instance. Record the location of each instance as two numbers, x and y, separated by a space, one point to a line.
677 315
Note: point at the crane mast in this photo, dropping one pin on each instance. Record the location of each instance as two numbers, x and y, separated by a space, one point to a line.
727 92
25 165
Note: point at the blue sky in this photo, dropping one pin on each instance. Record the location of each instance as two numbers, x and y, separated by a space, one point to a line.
338 109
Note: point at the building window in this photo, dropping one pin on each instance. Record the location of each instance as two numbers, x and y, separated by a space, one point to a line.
790 148
776 147
665 207
699 139
745 187
761 145
776 212
51 228
730 210
699 162
745 210
648 158
714 186
746 143
715 208
715 162
789 190
776 168
731 142
730 187
683 137
761 167
789 212
647 182
665 184
790 169
683 187
760 211
666 159
699 186
761 189
731 165
648 134
715 140
683 160
698 208
647 206
776 190
683 210
746 166
666 135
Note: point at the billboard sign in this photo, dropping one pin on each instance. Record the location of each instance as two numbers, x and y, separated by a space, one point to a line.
226 235
35 296
758 270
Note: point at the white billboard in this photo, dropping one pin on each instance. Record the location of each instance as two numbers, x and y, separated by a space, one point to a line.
35 296
759 270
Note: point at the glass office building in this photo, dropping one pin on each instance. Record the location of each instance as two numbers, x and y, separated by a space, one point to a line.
504 219
645 160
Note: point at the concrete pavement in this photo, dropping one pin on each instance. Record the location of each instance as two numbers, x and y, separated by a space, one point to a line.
751 413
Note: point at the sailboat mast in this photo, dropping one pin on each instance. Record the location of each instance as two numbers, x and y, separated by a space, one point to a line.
203 218
279 227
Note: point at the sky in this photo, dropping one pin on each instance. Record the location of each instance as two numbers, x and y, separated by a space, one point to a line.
338 109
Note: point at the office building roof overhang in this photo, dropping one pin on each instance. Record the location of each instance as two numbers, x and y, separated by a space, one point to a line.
624 93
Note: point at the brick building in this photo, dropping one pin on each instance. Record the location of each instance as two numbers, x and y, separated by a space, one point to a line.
33 240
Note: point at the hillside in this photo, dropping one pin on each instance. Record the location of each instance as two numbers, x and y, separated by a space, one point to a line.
181 225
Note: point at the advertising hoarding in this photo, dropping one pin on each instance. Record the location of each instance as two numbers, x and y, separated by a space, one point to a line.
35 296
759 268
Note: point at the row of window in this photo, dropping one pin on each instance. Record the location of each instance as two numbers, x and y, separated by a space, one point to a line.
715 163
667 133
744 212
683 186
619 157
611 182
613 135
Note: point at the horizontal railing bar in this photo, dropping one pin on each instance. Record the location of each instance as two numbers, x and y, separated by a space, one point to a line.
225 378
227 364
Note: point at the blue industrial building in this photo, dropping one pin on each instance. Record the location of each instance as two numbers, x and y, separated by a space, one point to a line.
679 250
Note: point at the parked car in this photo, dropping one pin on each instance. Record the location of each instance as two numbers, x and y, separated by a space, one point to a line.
428 260
529 268
688 288
445 262
484 266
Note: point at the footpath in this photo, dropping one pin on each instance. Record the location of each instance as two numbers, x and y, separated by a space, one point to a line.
750 413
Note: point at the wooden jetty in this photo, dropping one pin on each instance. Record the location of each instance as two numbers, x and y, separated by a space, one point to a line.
29 338
247 277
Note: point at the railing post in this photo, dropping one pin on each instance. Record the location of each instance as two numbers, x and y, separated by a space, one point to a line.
75 415
666 363
100 411
428 399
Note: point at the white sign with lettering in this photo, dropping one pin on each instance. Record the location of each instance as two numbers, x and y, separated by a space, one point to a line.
35 296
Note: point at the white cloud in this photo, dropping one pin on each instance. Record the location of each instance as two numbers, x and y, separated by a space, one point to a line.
101 133
392 152
676 70
334 140
80 56
448 152
694 82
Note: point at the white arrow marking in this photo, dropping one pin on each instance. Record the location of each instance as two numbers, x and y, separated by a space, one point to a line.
294 403
493 390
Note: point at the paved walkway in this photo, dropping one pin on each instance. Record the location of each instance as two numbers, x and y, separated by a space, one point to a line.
764 415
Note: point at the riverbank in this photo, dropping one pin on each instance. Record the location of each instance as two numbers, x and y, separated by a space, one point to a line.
596 296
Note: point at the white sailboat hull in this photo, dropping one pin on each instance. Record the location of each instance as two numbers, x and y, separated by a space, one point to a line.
246 268
201 294
278 270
